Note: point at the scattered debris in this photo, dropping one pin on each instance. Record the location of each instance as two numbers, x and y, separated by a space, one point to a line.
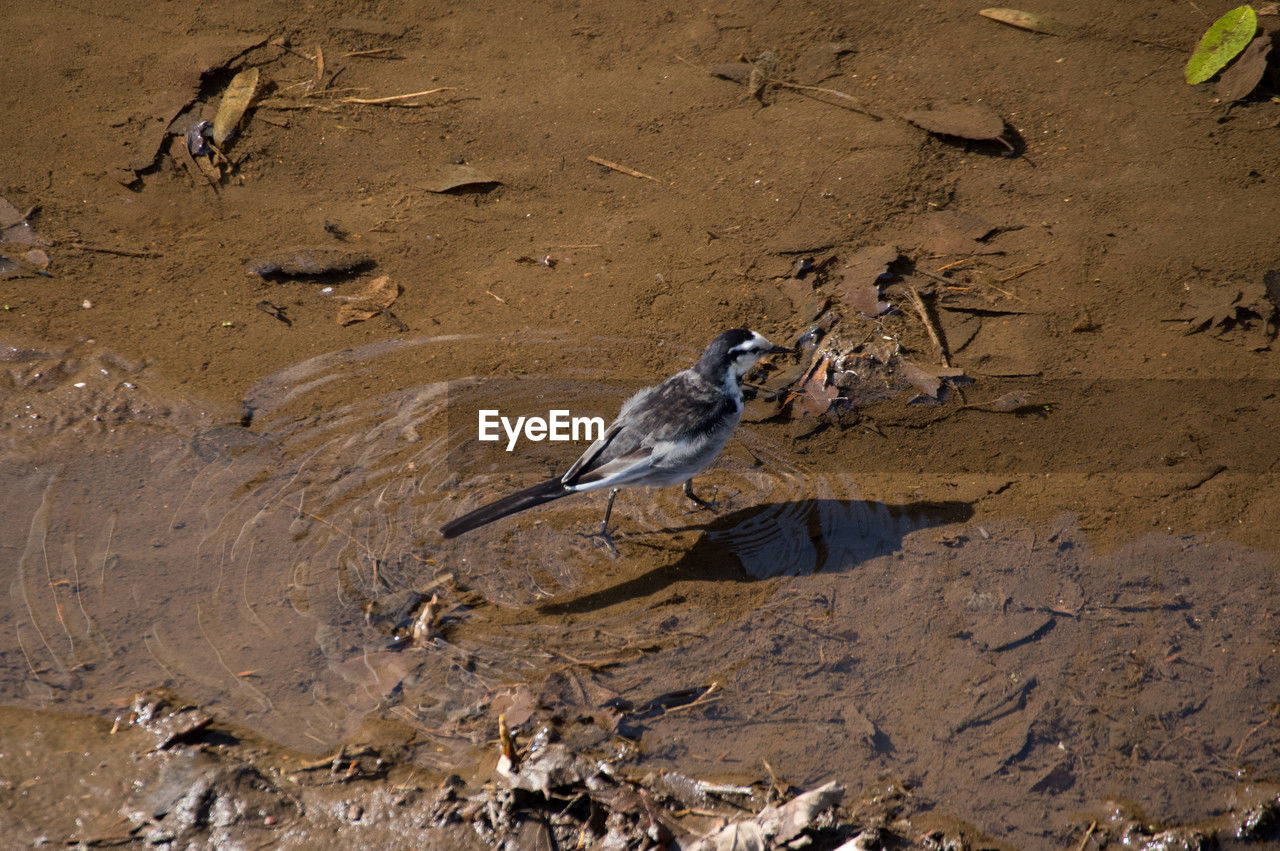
814 394
1026 21
235 102
451 176
178 96
775 826
1228 36
21 248
425 625
622 168
166 720
377 295
309 261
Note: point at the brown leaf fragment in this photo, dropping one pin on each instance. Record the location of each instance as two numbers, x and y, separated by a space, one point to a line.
966 120
814 395
859 288
235 101
1239 80
820 62
926 382
959 224
1011 401
450 176
1224 309
377 296
735 72
1026 21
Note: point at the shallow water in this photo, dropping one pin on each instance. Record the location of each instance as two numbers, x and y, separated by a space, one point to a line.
271 573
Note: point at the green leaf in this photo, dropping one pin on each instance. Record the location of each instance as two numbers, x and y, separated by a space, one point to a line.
1229 35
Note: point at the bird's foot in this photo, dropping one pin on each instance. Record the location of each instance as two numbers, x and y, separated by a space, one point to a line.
605 537
708 504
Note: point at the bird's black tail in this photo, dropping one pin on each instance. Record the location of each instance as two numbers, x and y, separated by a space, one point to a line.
519 501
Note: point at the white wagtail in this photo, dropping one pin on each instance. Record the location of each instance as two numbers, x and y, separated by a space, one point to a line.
663 436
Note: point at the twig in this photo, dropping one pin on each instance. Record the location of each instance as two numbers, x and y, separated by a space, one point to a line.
855 104
1023 272
1252 730
703 698
374 52
1093 825
123 252
934 333
394 98
621 168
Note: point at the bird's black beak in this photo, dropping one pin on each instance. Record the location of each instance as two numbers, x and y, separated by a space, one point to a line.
780 350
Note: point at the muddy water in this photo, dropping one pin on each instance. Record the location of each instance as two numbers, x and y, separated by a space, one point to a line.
268 563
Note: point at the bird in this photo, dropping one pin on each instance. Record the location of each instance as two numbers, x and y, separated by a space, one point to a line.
664 435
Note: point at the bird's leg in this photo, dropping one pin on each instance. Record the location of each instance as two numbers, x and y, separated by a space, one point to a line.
603 534
695 499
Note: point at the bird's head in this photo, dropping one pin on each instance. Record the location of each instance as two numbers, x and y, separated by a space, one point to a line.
731 355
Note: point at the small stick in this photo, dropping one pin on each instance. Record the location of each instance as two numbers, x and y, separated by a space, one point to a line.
394 98
705 697
123 252
954 264
934 334
1254 729
1023 272
622 168
856 105
1085 841
319 78
374 52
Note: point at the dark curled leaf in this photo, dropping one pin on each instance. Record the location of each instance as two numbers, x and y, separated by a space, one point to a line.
1242 77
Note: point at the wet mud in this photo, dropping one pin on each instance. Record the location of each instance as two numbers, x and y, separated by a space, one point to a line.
1038 611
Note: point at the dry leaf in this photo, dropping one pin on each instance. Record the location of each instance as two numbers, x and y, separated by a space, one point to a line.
1239 80
966 120
815 395
1026 21
377 296
235 101
453 176
317 260
858 287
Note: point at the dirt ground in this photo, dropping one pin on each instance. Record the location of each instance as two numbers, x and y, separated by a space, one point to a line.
1035 618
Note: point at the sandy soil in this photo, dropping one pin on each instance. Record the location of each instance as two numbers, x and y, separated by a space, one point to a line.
1027 615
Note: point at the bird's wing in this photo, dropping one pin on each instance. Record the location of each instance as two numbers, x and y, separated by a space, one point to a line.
616 472
592 453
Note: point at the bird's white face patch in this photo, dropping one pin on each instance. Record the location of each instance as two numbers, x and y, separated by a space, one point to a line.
746 354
